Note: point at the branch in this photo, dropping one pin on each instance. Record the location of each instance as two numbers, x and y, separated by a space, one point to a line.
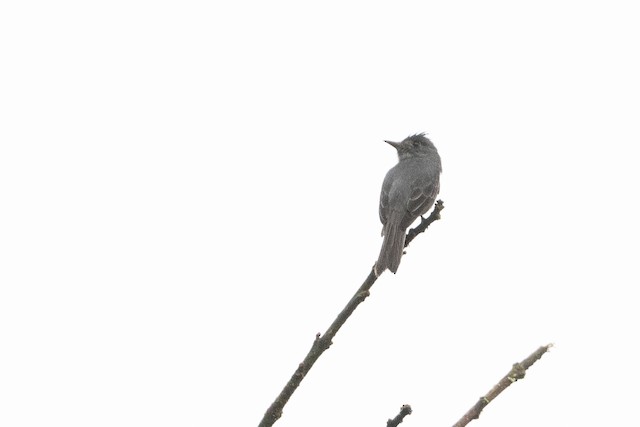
424 223
404 411
323 342
516 373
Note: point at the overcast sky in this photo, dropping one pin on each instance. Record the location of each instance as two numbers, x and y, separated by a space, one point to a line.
189 193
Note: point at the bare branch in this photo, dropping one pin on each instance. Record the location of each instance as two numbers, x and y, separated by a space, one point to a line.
516 373
424 223
404 411
323 342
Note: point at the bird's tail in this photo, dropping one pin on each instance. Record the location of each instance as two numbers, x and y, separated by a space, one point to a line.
392 246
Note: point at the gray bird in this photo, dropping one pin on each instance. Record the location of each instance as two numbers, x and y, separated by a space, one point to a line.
408 191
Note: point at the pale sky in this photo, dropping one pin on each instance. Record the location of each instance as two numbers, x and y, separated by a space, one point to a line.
189 193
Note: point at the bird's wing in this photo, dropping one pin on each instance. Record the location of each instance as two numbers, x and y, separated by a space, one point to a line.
383 208
420 201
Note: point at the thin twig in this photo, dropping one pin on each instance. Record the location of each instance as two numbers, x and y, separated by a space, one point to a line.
323 342
404 411
516 373
435 215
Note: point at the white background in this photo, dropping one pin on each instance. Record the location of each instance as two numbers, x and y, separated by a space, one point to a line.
189 193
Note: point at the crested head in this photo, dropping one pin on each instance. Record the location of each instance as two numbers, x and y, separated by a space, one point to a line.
418 138
417 145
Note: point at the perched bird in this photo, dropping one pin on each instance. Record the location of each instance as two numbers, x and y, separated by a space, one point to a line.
408 191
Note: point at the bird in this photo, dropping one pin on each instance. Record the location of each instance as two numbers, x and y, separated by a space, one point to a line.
408 191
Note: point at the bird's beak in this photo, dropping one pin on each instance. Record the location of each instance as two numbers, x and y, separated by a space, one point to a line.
393 144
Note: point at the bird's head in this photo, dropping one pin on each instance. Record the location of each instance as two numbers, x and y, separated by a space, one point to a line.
416 145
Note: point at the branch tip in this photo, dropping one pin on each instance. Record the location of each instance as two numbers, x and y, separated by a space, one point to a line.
425 222
516 373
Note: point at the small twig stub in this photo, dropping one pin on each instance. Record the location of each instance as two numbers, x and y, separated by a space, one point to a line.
404 411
